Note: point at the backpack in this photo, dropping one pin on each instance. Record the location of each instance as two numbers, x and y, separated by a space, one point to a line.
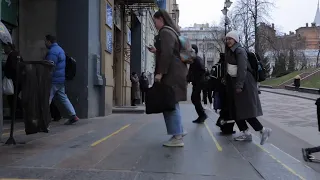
187 54
71 68
257 69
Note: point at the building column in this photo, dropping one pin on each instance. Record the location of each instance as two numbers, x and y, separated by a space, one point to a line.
107 52
79 35
126 66
125 72
118 58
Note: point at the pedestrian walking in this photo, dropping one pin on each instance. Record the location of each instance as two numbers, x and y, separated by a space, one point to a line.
135 88
215 87
196 76
207 90
242 91
144 85
57 55
307 152
296 82
171 71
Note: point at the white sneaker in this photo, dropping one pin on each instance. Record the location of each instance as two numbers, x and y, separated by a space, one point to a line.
174 142
184 133
265 134
244 137
205 107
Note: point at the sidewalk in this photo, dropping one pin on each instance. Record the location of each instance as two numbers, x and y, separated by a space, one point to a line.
129 147
292 93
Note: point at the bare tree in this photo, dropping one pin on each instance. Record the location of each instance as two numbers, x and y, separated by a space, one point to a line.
287 50
302 60
242 22
251 13
217 35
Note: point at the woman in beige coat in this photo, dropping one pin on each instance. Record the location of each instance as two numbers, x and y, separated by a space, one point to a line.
171 71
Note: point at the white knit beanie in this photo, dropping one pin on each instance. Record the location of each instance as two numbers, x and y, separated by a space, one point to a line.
234 35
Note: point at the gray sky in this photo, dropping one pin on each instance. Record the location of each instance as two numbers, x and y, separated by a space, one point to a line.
288 15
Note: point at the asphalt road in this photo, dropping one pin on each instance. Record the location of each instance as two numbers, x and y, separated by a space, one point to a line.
129 147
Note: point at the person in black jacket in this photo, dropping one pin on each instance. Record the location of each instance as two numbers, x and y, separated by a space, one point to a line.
196 76
307 152
144 85
207 90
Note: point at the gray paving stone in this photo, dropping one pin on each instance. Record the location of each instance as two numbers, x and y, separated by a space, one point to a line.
169 176
138 153
54 174
291 93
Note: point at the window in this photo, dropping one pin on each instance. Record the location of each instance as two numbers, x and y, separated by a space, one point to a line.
210 46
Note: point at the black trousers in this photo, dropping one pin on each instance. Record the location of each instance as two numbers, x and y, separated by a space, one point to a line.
196 99
254 123
55 113
134 102
10 99
207 94
143 96
313 150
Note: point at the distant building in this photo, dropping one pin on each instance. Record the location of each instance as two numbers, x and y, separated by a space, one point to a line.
208 39
317 17
305 40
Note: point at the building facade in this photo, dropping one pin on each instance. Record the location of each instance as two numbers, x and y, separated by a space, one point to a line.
305 41
99 34
150 33
173 9
209 41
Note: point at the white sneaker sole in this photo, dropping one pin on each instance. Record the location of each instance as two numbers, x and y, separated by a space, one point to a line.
184 134
174 145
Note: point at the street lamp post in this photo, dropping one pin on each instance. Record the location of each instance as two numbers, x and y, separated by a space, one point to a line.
227 5
204 50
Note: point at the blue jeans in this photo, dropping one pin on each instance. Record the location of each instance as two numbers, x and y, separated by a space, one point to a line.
173 121
58 91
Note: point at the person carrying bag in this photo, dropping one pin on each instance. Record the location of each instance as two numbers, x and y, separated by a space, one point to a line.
160 98
170 77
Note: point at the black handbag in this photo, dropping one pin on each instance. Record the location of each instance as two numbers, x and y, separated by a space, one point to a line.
160 98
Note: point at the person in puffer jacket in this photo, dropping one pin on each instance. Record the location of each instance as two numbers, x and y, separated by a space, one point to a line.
57 56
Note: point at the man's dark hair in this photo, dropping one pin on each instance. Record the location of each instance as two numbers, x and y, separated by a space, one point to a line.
222 58
51 38
195 48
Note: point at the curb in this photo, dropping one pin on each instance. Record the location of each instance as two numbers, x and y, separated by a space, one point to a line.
292 95
128 110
